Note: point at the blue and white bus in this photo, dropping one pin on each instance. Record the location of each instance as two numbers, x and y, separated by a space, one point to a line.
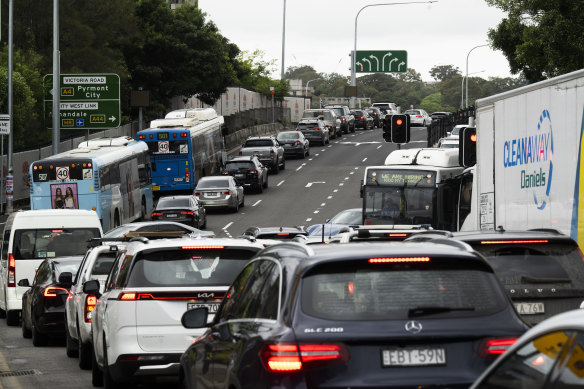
108 175
184 146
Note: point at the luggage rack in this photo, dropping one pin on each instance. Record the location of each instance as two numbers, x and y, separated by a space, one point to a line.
137 236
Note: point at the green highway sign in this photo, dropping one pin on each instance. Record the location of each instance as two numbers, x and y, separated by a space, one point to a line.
87 101
381 61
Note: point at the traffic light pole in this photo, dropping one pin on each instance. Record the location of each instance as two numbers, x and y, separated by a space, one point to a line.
354 53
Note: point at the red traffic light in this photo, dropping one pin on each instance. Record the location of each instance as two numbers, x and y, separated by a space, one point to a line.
473 138
399 122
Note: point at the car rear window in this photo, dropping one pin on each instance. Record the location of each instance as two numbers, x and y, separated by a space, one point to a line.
103 263
204 184
258 143
364 291
413 112
173 203
238 165
49 243
535 263
308 126
288 135
187 267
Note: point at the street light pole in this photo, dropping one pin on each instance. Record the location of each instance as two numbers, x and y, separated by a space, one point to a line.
462 88
476 47
308 82
354 53
283 40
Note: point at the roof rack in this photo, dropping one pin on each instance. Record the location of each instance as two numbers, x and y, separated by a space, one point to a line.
139 236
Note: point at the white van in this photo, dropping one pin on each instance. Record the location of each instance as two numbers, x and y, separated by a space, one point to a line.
31 236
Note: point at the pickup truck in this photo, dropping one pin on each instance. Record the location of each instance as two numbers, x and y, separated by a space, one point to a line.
267 149
347 118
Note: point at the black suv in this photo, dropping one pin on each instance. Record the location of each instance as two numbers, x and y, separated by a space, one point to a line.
347 118
248 172
391 315
542 271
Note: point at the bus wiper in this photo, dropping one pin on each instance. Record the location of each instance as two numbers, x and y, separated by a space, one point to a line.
432 310
534 280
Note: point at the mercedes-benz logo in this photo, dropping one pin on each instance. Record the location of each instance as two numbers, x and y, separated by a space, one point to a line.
413 326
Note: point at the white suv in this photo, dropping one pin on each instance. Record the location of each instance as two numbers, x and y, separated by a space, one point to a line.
96 265
387 108
136 324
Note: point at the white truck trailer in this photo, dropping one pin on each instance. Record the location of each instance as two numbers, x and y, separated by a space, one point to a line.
530 170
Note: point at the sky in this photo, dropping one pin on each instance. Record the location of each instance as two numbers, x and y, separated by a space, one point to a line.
321 33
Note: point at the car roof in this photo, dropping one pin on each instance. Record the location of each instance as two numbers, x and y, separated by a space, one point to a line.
469 236
216 178
140 244
241 158
175 197
259 137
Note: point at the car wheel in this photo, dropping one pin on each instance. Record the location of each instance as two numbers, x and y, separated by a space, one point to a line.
323 142
108 381
70 344
235 207
283 163
242 202
2 314
38 339
12 318
265 182
26 332
276 168
204 225
308 151
96 373
85 354
328 140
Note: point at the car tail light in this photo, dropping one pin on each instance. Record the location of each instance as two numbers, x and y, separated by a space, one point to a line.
11 271
298 129
156 214
525 241
271 151
210 247
240 152
362 118
253 172
90 302
198 193
399 259
290 357
317 128
226 192
297 143
52 291
225 172
418 116
492 348
187 213
151 296
127 296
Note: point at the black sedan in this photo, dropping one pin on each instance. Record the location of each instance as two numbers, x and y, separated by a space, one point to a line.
356 315
294 143
363 119
183 209
43 305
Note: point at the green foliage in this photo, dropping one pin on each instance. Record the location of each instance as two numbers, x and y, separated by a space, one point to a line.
540 38
433 103
255 73
444 72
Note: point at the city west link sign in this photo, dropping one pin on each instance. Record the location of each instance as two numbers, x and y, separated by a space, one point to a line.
87 101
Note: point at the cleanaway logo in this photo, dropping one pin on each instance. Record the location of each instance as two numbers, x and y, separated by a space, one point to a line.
533 154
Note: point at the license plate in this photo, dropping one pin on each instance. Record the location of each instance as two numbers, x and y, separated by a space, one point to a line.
171 215
211 194
240 175
178 178
212 308
155 188
419 356
529 308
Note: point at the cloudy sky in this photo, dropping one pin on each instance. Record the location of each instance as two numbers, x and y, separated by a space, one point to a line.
321 33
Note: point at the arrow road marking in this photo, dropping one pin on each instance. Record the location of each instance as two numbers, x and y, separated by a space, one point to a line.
383 60
369 62
375 58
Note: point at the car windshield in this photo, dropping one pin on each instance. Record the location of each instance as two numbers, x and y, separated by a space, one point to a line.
205 184
288 135
413 112
362 291
258 143
238 165
49 243
349 217
338 111
187 267
173 203
535 263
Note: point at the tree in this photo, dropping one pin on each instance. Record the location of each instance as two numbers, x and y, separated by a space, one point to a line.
444 72
540 38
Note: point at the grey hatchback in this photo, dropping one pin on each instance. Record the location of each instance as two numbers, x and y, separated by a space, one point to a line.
220 192
314 130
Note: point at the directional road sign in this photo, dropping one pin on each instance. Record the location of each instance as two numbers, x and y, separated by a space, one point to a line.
381 61
87 101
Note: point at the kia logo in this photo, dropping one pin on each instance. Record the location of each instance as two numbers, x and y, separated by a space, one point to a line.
413 326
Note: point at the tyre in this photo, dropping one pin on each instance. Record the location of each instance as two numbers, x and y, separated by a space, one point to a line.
116 220
108 381
283 163
96 373
26 333
265 185
38 339
308 151
12 318
204 223
242 202
85 354
276 168
328 140
143 211
323 142
70 343
2 314
236 207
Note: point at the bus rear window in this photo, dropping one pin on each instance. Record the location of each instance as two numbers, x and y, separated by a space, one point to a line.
65 170
49 243
168 147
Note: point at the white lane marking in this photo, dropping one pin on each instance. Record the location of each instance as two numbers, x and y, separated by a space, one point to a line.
309 219
364 159
316 182
357 168
256 203
335 191
378 147
316 211
316 155
310 159
300 167
330 197
359 143
341 184
228 225
281 182
352 173
323 150
346 178
323 204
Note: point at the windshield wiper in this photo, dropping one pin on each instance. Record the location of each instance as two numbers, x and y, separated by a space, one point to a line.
432 310
534 280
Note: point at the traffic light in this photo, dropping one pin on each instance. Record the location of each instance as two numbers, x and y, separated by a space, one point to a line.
400 128
467 147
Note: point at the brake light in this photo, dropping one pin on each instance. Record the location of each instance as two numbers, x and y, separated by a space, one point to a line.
253 172
514 241
271 151
11 271
141 136
241 153
187 213
128 296
397 235
283 233
317 128
492 348
183 134
289 357
198 193
297 143
362 117
226 192
90 302
202 247
418 116
399 260
187 172
52 291
298 129
156 214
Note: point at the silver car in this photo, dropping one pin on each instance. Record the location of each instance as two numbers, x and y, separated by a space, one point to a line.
220 192
419 118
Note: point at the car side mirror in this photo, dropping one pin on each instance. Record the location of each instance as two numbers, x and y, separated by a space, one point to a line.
91 287
24 283
66 279
195 318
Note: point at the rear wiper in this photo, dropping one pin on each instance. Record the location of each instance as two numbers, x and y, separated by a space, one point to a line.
533 280
422 311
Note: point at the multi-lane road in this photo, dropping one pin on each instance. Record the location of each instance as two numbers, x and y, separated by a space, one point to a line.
308 191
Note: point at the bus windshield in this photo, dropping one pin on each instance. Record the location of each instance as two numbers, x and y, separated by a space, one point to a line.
398 205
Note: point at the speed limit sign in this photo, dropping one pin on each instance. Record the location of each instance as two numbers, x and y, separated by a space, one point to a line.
163 147
62 173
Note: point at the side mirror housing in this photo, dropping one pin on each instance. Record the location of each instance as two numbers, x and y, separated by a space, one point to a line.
195 318
66 279
91 287
24 282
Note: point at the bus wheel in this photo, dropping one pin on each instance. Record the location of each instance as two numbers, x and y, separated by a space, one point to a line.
116 220
143 210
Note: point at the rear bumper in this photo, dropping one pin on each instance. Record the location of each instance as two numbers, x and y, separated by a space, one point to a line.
51 323
127 367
